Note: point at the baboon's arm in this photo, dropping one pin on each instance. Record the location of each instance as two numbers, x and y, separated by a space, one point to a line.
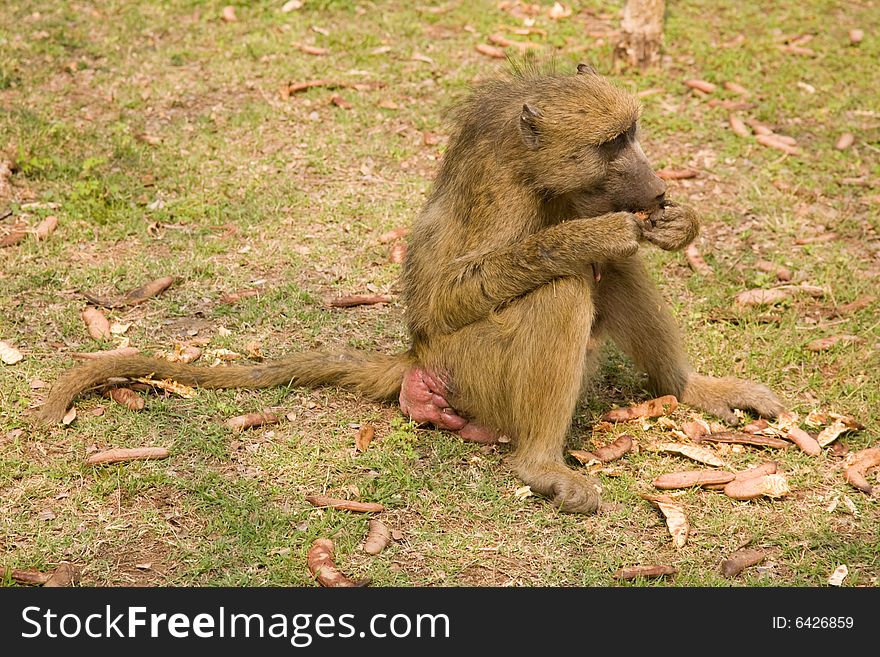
478 285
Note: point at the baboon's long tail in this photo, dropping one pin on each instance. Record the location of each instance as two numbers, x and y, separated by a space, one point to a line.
375 376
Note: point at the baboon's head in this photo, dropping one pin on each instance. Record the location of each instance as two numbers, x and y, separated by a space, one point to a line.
580 138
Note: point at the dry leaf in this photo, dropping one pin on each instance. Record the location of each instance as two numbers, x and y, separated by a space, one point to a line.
676 174
690 478
696 261
250 420
522 493
323 567
128 398
291 5
693 452
46 227
96 323
220 356
360 300
419 57
9 354
695 429
378 537
69 417
364 437
740 560
120 454
676 520
346 505
829 434
631 572
651 408
700 85
558 10
836 578
756 427
228 14
179 389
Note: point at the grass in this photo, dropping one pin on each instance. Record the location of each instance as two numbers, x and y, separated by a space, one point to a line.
157 134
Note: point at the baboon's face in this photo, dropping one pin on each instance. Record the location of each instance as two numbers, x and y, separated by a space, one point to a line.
582 142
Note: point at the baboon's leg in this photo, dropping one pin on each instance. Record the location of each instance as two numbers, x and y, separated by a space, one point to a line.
631 310
520 372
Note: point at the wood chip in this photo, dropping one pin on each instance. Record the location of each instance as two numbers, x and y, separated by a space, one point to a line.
735 438
96 323
826 344
46 227
107 353
773 141
631 572
490 51
700 85
856 473
738 127
122 454
676 174
128 398
691 478
696 261
360 300
845 141
378 537
235 297
346 505
740 560
250 420
321 564
651 408
28 577
760 297
66 574
736 88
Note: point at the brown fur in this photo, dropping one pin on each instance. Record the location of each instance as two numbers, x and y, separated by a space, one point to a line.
534 198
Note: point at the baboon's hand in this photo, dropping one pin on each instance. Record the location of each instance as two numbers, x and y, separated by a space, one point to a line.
671 227
721 396
621 238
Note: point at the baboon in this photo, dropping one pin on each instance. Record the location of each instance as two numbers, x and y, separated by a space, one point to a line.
522 261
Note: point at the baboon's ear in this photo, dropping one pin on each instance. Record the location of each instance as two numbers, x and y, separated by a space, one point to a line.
586 69
528 126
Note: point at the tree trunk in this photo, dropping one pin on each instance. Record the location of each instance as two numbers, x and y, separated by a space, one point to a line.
641 34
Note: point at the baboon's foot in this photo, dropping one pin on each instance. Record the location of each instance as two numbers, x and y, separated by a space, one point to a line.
423 399
568 491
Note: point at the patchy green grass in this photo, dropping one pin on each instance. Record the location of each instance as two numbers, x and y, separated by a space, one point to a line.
157 135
